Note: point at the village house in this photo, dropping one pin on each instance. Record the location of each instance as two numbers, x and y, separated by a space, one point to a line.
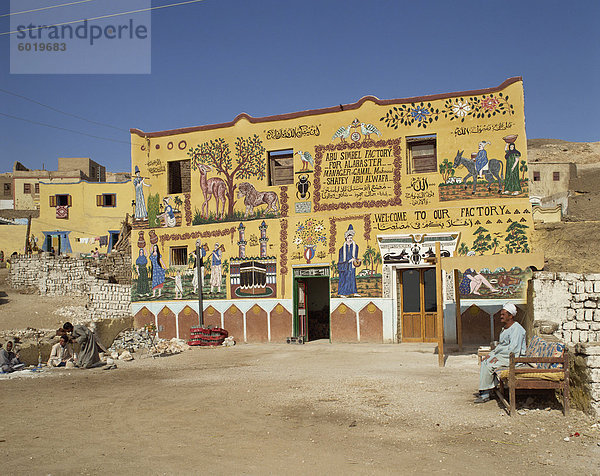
73 209
80 217
325 224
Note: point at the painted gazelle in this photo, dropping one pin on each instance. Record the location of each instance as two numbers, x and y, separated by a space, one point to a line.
212 186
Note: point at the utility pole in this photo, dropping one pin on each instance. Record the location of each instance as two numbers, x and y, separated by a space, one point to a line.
27 245
199 265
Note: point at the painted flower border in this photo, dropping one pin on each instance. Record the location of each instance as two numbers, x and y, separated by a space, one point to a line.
321 148
424 113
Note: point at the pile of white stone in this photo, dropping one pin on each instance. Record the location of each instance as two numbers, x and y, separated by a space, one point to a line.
132 341
140 340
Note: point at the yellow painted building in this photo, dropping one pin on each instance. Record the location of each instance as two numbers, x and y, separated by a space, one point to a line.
323 223
81 216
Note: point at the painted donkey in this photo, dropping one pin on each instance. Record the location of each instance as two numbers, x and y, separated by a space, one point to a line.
495 171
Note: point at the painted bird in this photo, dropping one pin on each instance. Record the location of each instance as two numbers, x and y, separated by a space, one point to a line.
306 159
368 129
342 133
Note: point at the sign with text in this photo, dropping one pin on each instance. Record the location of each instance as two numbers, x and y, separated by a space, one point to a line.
108 37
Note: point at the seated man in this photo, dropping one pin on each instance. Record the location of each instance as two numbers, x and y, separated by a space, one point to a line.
9 361
512 339
61 353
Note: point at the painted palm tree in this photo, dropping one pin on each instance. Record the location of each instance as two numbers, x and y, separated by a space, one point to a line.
333 267
368 257
377 260
495 243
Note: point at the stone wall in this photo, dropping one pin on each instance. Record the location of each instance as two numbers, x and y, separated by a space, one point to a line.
67 276
109 300
591 356
566 306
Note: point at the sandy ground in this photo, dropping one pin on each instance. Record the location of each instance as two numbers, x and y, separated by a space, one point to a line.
19 310
275 409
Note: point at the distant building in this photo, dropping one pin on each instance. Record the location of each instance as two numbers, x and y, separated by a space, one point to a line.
93 172
78 217
25 183
6 194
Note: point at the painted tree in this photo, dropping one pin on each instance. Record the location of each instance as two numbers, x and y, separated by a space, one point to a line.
523 169
249 161
495 243
377 260
516 238
333 268
447 170
463 249
483 241
368 258
153 210
178 202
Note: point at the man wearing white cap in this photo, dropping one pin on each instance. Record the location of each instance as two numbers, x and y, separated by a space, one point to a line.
512 339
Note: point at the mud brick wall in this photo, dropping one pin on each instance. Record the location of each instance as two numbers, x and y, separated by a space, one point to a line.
116 268
106 300
566 306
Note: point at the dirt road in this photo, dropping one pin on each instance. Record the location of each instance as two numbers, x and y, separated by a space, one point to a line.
282 409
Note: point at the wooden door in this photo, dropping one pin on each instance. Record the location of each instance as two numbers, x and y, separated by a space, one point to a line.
417 304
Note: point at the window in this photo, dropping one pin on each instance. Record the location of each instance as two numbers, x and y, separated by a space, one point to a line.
60 200
421 154
178 255
281 167
179 176
7 191
536 176
106 200
37 188
556 176
26 188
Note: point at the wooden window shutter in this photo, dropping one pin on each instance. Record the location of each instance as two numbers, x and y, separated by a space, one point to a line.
69 203
98 200
52 200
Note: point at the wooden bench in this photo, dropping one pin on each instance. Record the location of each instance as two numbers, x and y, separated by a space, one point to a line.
528 378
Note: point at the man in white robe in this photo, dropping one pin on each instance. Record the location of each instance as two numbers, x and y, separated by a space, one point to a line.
61 353
512 339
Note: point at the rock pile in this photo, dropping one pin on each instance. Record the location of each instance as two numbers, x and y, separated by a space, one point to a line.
132 341
139 340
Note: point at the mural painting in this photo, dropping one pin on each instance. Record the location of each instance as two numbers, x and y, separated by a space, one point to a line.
485 176
214 157
140 212
374 185
497 284
256 276
355 274
154 280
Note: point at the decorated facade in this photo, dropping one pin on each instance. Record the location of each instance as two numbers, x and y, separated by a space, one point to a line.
324 223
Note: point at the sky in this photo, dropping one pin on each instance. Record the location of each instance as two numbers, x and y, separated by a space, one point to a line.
215 59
